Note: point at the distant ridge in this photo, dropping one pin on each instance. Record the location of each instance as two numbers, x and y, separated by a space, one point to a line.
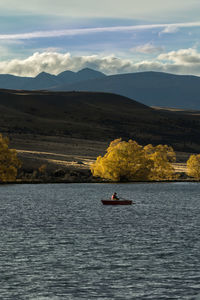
45 80
150 88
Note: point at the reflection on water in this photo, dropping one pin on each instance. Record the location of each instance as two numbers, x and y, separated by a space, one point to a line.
59 242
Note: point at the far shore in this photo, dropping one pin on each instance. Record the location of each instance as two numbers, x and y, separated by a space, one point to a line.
95 181
68 160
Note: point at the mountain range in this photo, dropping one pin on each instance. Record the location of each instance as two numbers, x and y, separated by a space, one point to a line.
45 80
149 88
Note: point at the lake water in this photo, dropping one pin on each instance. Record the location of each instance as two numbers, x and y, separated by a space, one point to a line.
59 242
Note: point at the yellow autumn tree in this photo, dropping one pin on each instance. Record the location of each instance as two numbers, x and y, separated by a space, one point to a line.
162 157
129 161
9 163
42 168
124 161
193 166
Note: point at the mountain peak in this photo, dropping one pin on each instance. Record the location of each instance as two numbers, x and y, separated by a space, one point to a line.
44 75
88 74
86 70
89 71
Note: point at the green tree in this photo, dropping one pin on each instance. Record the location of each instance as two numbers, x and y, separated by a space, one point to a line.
129 161
9 163
193 166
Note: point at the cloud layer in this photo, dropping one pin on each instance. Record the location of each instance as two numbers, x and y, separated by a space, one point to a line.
88 8
166 28
183 61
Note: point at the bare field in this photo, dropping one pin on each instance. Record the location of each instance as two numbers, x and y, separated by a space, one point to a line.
180 167
66 158
74 161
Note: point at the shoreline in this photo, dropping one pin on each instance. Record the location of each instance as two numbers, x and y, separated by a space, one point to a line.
19 181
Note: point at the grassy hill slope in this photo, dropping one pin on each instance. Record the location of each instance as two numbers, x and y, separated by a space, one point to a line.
95 116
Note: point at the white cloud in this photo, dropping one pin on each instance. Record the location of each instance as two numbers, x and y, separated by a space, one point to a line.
95 30
148 48
170 29
182 57
183 61
54 63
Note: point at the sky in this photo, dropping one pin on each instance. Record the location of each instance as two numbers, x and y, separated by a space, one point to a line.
108 35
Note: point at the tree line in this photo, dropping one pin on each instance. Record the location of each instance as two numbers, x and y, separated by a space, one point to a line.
129 161
124 161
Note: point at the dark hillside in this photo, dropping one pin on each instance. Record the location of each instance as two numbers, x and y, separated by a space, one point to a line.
95 116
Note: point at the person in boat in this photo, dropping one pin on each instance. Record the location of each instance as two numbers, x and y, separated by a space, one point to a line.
114 196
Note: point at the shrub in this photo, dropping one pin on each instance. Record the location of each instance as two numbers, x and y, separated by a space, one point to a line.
9 163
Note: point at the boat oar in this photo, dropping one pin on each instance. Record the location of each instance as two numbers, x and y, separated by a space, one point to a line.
120 198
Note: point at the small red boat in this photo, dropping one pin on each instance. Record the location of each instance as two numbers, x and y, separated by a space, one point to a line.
117 202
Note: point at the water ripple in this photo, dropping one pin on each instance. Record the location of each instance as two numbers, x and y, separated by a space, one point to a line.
60 242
